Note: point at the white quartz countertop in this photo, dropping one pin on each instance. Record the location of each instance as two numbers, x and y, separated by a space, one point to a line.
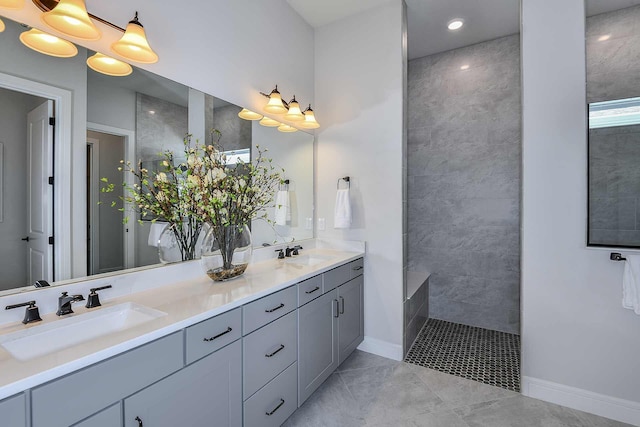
185 302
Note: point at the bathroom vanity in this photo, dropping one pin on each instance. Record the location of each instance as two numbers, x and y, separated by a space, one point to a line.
246 352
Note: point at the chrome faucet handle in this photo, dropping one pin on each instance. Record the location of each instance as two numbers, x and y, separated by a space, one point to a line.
295 249
280 253
93 300
288 252
64 303
31 314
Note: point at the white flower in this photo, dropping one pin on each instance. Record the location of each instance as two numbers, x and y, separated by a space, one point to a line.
194 180
161 196
162 177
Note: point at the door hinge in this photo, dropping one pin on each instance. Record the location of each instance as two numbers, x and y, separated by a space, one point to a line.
51 240
52 121
50 180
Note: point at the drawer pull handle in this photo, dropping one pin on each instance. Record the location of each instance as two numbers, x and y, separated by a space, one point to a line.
341 305
139 421
276 408
275 352
358 268
337 308
274 309
219 335
312 290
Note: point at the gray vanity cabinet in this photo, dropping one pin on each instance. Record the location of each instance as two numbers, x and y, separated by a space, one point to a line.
13 411
206 393
351 316
317 343
110 417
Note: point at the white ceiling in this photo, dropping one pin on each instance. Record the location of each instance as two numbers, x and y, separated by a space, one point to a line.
427 19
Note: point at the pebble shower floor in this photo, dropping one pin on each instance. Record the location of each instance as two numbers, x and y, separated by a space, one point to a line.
477 354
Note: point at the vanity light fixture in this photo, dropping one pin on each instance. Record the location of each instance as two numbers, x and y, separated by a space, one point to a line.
294 114
604 38
455 24
286 128
48 44
275 104
134 45
2 27
70 17
269 122
249 115
110 66
11 4
464 67
309 119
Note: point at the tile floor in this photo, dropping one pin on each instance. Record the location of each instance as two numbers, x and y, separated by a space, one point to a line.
372 391
478 354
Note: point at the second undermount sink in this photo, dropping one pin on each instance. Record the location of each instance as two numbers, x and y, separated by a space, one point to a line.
50 337
308 260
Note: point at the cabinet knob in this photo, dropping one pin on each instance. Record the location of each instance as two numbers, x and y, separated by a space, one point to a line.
139 422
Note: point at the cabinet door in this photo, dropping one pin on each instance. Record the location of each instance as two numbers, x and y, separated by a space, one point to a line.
351 319
206 393
317 343
13 412
110 417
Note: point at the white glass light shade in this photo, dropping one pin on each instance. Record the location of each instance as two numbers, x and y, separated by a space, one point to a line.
48 44
275 105
2 27
268 122
134 45
286 128
11 4
249 115
294 114
70 17
309 120
110 66
455 24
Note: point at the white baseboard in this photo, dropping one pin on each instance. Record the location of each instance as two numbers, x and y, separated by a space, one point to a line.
381 348
614 408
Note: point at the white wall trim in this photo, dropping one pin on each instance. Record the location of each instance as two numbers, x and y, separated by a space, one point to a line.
381 348
614 408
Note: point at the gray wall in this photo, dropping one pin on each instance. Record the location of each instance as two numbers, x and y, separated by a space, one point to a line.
613 72
236 132
464 151
14 107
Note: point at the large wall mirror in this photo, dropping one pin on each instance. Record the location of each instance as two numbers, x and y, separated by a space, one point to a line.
613 94
136 117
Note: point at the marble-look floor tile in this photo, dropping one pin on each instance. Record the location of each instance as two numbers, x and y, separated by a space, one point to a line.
362 360
438 419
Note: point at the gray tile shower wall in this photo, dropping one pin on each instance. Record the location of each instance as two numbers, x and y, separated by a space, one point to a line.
464 151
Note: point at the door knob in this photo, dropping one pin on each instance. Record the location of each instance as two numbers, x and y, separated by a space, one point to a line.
26 239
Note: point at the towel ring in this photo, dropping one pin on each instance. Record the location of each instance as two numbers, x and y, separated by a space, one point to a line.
284 184
345 179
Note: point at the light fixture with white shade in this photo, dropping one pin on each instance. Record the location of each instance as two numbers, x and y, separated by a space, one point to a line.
70 17
249 115
275 104
286 128
110 66
269 122
48 44
455 24
294 114
2 27
309 119
134 45
11 4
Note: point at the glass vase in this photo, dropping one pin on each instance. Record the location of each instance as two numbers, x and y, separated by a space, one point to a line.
226 252
181 244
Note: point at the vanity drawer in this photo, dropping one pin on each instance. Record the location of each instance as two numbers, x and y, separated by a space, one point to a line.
357 268
206 337
268 351
275 402
13 411
336 277
268 309
67 400
309 290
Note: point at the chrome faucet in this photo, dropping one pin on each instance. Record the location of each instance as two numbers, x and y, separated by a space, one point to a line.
64 303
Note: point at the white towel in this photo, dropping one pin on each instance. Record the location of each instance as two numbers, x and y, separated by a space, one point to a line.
155 231
631 283
342 217
283 208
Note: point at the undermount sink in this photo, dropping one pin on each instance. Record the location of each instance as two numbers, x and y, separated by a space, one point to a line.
308 260
50 337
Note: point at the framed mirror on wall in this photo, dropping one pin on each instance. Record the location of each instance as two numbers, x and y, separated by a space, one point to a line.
613 95
132 118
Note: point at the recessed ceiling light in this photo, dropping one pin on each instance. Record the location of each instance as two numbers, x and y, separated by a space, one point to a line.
465 67
455 24
604 38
